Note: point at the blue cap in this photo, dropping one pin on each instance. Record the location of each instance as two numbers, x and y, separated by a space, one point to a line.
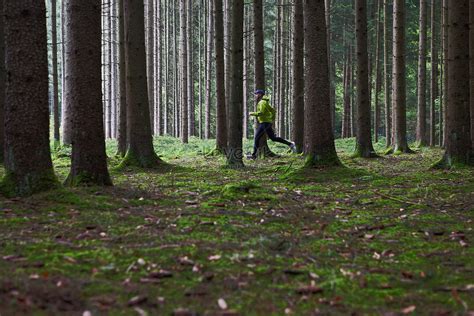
259 91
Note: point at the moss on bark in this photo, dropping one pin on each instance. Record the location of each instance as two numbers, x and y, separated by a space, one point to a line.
13 185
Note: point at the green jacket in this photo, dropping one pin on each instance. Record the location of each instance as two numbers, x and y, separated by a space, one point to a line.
265 112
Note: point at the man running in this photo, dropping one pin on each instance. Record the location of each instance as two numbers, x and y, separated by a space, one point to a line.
265 116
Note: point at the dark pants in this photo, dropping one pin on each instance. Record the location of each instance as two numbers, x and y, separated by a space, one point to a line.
266 128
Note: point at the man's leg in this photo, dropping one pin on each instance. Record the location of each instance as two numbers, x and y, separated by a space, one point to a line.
258 134
273 137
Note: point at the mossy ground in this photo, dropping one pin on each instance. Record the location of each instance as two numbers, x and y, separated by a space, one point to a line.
375 236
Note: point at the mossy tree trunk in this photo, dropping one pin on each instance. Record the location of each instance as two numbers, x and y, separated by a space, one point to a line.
28 164
364 147
298 76
140 150
319 139
421 114
83 59
458 126
234 150
221 131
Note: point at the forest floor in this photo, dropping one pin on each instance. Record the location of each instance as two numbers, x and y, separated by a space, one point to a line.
383 236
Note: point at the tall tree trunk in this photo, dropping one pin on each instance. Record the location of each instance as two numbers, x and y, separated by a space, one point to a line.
234 150
298 76
190 75
319 138
399 78
421 117
328 5
140 143
83 59
2 84
471 65
210 37
55 94
66 116
158 69
458 138
28 165
259 73
387 84
184 71
364 146
347 132
221 130
434 73
445 74
378 71
122 128
149 58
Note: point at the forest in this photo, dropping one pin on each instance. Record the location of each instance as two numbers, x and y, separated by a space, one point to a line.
236 157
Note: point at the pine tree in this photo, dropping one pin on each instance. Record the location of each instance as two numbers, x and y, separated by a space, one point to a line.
2 84
28 165
421 117
221 128
319 138
298 76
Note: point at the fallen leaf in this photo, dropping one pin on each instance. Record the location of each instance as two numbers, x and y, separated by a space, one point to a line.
214 257
137 300
222 304
408 310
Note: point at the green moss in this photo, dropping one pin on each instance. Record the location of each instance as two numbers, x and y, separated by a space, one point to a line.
13 185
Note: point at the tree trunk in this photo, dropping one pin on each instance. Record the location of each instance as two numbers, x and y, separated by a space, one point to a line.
234 150
319 138
471 52
184 71
2 84
346 130
158 70
210 37
298 76
364 146
221 130
140 143
259 74
282 69
54 92
421 117
83 59
458 138
378 71
28 165
387 85
445 74
434 73
399 78
122 128
149 58
66 116
190 74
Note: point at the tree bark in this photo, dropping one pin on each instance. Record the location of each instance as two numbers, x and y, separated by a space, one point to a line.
28 165
399 78
458 138
149 59
54 92
140 143
445 74
234 150
387 85
184 71
190 74
122 126
2 84
364 146
434 73
66 116
83 59
421 117
319 138
298 76
471 66
221 130
210 37
378 71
